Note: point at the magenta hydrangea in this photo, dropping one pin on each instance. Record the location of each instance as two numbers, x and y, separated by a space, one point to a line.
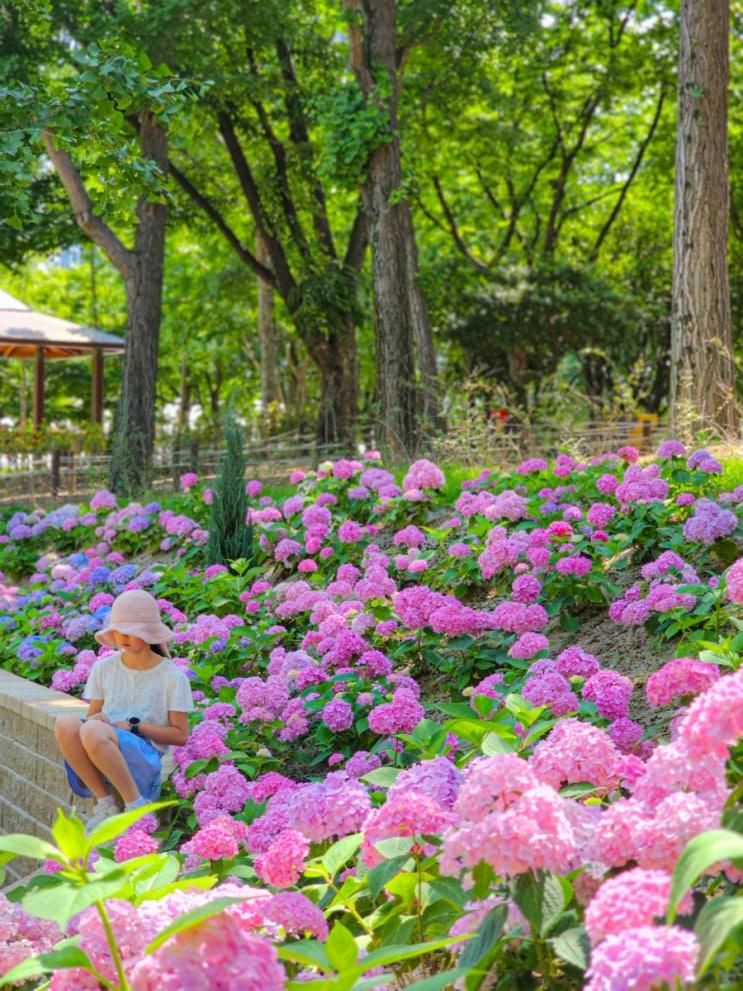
645 958
681 677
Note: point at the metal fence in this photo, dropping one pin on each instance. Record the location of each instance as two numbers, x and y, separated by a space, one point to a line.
64 475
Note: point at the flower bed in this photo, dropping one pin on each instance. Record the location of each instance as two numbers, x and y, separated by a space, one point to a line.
389 756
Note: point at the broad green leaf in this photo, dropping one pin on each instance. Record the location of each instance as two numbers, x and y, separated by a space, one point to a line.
701 853
439 982
366 983
341 947
572 946
62 958
391 954
309 952
378 876
68 899
719 918
394 846
119 824
487 936
385 777
340 853
70 836
190 919
494 743
20 845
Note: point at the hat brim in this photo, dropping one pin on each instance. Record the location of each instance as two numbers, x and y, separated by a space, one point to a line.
150 633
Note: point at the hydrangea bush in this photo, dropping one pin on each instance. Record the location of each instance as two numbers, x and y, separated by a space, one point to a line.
396 777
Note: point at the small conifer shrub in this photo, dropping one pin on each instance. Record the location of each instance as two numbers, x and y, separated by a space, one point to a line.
230 537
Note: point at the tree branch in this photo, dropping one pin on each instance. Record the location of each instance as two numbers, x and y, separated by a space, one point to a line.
633 172
87 220
284 280
454 230
206 205
299 133
279 156
357 240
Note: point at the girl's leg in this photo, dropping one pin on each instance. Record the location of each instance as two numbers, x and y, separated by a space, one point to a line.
101 745
67 733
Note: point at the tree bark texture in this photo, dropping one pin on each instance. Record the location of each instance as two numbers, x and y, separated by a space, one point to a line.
336 360
271 393
135 419
401 318
702 368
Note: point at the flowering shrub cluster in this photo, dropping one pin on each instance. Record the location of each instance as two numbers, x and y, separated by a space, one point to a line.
391 750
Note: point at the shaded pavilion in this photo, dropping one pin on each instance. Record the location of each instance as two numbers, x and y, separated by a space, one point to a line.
37 337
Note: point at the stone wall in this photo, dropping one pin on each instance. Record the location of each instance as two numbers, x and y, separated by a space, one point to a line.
33 783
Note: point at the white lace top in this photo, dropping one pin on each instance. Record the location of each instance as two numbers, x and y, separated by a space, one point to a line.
151 694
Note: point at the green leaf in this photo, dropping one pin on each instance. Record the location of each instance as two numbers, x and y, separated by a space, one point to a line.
383 776
119 824
487 936
70 836
341 948
378 876
719 918
577 789
541 900
69 899
190 919
310 952
701 853
340 853
494 743
62 958
391 954
572 946
20 845
438 982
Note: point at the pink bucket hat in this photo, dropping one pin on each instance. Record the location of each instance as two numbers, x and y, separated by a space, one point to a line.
137 613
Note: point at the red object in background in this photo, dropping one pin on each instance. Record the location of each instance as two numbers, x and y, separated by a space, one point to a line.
501 415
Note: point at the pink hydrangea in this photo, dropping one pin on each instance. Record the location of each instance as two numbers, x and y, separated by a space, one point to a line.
438 778
408 813
680 677
576 662
734 583
575 751
134 843
337 715
533 833
189 480
401 715
350 532
296 914
632 899
282 864
645 958
493 784
424 475
610 691
714 721
528 645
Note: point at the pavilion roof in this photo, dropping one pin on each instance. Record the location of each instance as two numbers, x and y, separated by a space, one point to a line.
23 331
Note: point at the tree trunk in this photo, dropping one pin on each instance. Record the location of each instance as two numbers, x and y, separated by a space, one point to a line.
401 318
135 420
702 369
335 357
271 393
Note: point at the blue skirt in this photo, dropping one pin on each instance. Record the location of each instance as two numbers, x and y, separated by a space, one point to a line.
143 760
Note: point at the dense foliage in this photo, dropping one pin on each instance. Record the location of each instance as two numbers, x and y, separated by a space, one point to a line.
538 153
407 769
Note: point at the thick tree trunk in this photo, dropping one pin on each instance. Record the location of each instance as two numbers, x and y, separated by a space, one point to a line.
271 393
401 318
336 360
702 369
135 420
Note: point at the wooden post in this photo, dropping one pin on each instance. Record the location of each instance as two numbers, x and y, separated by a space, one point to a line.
56 460
96 392
39 388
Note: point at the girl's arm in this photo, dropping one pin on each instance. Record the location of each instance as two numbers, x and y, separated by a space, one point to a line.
95 710
176 734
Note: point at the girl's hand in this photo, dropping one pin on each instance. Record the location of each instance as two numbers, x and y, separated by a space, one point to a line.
122 724
101 717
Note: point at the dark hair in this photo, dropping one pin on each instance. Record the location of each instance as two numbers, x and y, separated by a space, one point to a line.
157 649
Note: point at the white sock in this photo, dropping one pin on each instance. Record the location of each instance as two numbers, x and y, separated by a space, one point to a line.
135 804
106 800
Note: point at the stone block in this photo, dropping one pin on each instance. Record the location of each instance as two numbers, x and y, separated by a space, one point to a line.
18 757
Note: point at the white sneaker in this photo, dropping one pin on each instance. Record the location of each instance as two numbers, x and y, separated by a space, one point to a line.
104 809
